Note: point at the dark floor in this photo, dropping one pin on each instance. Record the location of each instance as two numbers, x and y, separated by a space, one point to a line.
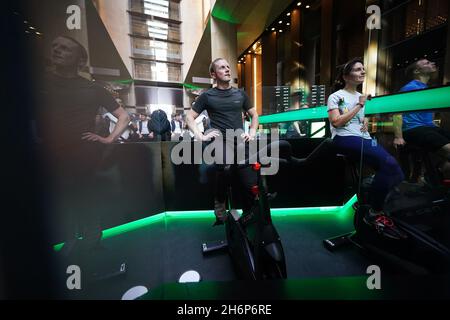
158 254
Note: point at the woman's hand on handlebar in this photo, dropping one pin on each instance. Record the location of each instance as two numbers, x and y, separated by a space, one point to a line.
362 101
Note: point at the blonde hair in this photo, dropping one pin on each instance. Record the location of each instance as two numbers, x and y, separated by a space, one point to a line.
212 66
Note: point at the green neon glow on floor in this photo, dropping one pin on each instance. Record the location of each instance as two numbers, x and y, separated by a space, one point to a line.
108 233
428 99
344 211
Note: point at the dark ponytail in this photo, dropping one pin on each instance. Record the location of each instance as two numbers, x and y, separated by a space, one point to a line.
345 70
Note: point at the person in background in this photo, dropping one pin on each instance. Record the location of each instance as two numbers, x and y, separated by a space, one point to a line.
176 126
418 128
144 132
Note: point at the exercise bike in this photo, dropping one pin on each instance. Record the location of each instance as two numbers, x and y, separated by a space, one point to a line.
422 215
252 241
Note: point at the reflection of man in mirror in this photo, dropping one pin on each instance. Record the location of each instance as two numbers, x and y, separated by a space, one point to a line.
71 149
418 128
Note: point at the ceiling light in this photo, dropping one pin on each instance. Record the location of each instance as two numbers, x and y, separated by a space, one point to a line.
299 4
288 14
307 7
280 21
273 29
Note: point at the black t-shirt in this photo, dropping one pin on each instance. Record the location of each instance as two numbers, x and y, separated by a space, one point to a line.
67 109
224 108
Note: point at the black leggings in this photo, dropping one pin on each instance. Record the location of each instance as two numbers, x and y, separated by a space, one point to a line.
243 177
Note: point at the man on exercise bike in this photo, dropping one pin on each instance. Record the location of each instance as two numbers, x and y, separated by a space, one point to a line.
225 105
418 128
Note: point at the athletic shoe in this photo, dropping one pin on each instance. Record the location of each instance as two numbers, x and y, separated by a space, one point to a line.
384 226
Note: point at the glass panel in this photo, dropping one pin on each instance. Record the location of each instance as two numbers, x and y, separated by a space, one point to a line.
292 115
411 31
155 29
158 8
159 50
413 18
157 71
407 130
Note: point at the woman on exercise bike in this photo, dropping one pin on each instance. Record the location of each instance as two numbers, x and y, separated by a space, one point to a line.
349 129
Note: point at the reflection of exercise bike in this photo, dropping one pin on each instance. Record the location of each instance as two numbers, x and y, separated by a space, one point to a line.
252 240
423 216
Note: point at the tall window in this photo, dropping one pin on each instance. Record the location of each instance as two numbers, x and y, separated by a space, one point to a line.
158 50
157 71
155 39
157 8
153 28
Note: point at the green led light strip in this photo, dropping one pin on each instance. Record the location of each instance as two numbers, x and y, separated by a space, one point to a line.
127 81
343 211
191 86
296 115
427 99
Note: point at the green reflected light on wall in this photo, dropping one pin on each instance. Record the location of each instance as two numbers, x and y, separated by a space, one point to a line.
343 211
191 86
427 99
223 14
